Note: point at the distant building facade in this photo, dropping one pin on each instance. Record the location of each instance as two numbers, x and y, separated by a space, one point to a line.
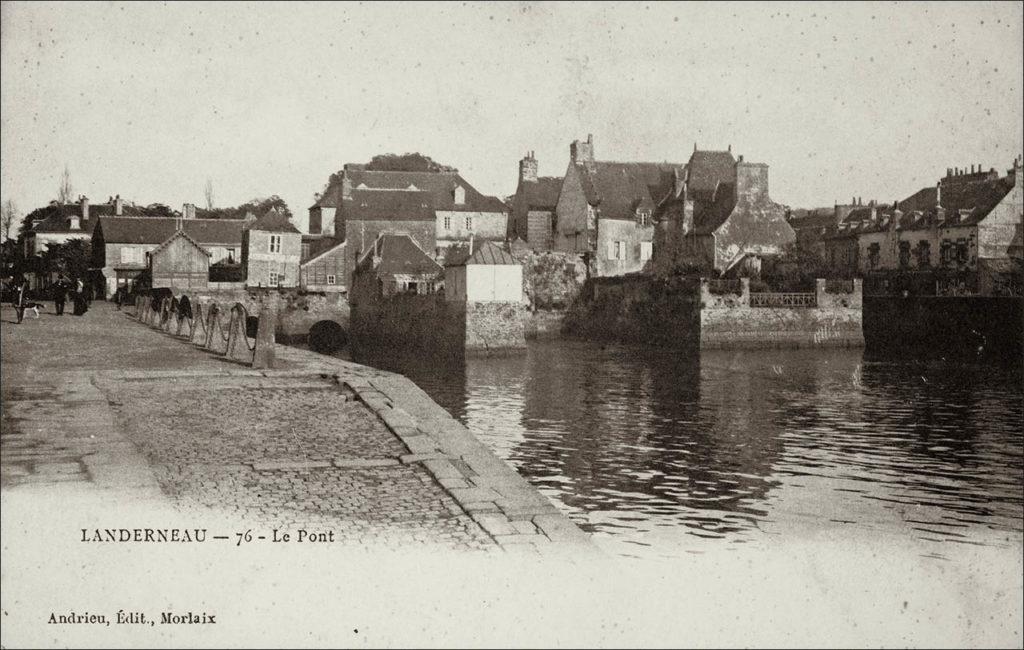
534 206
720 218
271 251
605 210
180 263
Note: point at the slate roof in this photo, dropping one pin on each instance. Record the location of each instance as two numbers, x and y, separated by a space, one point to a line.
484 252
58 218
709 168
399 255
273 221
156 230
543 193
619 188
389 205
439 185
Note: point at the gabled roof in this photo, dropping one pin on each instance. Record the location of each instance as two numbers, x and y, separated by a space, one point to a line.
709 168
542 194
484 252
619 188
399 255
389 205
273 221
156 230
184 235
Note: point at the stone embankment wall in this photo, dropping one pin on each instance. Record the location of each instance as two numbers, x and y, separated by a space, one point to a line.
638 309
730 320
941 325
435 326
297 311
686 313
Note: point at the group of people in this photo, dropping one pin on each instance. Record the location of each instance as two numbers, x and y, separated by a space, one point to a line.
62 289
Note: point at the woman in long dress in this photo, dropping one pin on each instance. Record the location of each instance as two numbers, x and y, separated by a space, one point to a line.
80 303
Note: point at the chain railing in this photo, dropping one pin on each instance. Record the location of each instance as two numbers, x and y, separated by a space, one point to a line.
176 315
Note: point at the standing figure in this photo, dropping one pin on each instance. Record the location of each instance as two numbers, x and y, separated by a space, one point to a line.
21 300
60 294
80 303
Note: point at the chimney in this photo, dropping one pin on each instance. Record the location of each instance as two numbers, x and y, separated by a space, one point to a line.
84 201
938 193
316 197
582 152
528 169
751 181
118 206
729 149
188 211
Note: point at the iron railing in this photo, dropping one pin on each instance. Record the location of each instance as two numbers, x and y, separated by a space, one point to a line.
783 300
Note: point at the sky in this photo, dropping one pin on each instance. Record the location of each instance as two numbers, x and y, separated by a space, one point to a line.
149 100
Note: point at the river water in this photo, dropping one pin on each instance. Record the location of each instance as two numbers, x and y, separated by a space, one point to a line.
659 453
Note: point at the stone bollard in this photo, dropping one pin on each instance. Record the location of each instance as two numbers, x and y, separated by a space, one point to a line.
264 356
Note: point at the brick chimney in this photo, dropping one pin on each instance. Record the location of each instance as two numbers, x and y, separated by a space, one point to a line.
528 169
188 211
118 206
582 152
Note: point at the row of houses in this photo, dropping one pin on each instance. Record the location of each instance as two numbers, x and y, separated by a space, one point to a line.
711 215
970 224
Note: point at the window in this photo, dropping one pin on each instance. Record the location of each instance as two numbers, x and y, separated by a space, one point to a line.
924 254
874 251
904 254
961 251
646 248
231 256
946 251
130 255
469 223
331 278
275 278
447 223
275 243
460 195
644 217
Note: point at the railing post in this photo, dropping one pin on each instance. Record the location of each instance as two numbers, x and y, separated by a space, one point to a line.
820 299
264 355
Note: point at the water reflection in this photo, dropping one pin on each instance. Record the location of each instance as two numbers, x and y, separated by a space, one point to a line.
656 452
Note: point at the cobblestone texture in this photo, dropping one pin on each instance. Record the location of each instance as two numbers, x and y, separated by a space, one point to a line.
178 424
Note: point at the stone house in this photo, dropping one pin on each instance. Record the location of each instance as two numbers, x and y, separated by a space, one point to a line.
180 263
271 251
120 244
435 208
720 217
395 265
324 270
534 205
976 218
605 209
482 272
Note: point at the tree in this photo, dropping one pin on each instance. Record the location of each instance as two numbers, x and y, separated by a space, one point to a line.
70 258
65 192
208 192
8 215
407 162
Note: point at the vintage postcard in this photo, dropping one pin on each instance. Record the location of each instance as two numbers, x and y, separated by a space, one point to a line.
512 324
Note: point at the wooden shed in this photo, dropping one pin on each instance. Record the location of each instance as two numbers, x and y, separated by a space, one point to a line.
180 263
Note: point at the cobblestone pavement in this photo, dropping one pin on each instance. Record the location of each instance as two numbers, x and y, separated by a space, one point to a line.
209 435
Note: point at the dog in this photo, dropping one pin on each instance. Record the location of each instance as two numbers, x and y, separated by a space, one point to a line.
34 306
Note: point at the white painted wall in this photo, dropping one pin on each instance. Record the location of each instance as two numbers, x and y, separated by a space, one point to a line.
494 283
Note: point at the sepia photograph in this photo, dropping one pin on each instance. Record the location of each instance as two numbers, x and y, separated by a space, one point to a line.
511 324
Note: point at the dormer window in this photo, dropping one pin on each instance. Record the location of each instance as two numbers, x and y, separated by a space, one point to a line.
643 217
460 195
